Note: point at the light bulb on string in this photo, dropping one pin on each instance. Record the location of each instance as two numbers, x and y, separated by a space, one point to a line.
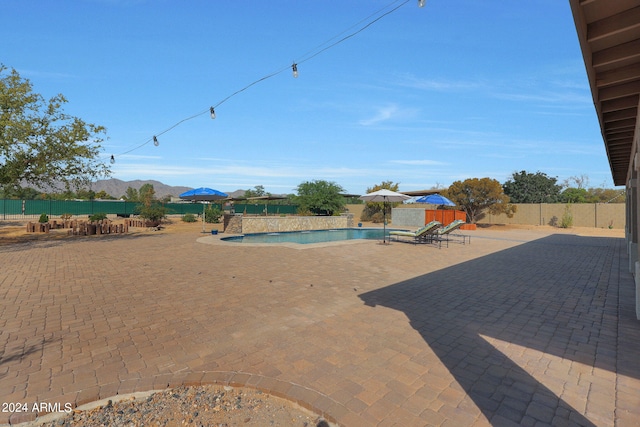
421 3
113 159
372 19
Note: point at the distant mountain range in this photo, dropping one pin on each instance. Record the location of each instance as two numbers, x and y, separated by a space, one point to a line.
118 188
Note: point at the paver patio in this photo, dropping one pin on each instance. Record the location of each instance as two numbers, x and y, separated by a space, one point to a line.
518 328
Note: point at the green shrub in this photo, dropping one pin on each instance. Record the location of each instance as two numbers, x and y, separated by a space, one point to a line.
43 218
153 213
189 217
567 217
212 215
304 212
98 217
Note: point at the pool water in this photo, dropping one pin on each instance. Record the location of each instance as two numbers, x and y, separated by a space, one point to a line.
314 236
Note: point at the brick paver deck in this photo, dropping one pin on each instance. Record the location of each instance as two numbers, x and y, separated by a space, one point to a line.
518 328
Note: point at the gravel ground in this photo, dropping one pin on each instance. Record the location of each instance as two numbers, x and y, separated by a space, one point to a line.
207 406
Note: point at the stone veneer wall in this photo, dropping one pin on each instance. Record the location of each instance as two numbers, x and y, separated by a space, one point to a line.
272 224
233 223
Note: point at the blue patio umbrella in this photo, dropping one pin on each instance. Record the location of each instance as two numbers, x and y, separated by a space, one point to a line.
436 199
203 194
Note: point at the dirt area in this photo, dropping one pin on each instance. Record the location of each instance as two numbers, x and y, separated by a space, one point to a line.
197 406
12 231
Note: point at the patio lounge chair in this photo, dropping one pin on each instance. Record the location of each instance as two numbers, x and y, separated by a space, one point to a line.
446 233
422 234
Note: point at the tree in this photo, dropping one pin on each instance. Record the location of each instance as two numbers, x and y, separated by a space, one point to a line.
20 193
476 195
320 197
607 195
374 211
131 195
524 187
103 195
258 191
575 195
149 208
85 194
39 143
146 194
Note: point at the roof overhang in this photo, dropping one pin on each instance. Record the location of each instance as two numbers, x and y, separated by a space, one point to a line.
609 35
419 193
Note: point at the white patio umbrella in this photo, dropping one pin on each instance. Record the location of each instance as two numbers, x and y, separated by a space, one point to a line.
384 196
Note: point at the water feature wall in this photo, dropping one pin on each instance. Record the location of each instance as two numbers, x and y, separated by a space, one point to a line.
273 224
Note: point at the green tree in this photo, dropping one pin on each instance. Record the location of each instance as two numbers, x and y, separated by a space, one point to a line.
85 194
575 195
320 197
39 143
258 191
18 192
146 194
475 196
524 187
374 211
131 195
607 195
150 208
103 195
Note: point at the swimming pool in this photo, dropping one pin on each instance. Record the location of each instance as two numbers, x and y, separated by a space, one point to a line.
312 236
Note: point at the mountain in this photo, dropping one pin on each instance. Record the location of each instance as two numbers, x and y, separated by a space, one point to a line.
118 188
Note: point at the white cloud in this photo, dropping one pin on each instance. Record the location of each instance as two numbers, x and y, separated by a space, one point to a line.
440 85
388 112
423 162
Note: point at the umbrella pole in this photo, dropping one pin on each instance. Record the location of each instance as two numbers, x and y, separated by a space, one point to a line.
384 222
203 211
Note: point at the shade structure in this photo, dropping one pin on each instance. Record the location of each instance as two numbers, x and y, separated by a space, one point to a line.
203 194
436 199
384 196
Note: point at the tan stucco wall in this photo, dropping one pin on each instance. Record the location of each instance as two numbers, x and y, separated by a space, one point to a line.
597 215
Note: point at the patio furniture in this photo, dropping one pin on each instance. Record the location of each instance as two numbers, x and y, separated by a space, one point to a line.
420 235
447 233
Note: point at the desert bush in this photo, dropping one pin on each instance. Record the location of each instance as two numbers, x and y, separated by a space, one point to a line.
153 212
212 215
567 217
189 217
98 217
43 218
377 217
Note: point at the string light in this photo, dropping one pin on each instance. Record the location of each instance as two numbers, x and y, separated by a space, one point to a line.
294 67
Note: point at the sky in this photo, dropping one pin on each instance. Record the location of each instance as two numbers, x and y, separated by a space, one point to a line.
421 97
